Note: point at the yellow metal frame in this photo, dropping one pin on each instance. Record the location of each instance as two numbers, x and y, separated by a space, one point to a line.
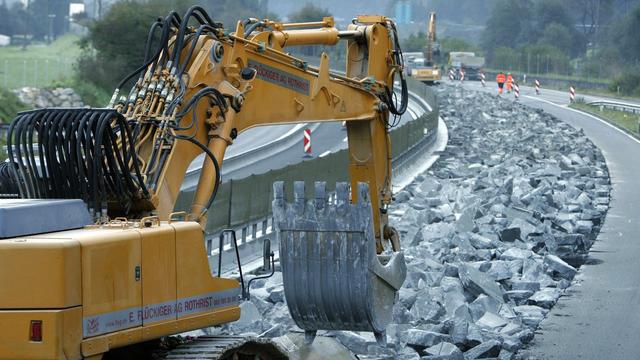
124 282
316 95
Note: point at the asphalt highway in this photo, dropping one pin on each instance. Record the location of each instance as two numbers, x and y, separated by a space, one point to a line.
599 317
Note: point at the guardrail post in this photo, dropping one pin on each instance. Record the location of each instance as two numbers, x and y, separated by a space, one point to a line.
264 227
254 231
244 234
207 243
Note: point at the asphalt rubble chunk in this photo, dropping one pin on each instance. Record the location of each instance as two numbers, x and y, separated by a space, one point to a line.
493 234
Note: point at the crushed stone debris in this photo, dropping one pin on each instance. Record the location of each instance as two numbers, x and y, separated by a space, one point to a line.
493 234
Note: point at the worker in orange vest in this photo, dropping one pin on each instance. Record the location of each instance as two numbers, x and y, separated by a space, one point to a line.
509 82
501 79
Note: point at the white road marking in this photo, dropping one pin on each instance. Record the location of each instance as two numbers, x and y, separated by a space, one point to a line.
588 115
345 139
325 153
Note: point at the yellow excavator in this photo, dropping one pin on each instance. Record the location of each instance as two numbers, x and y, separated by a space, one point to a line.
430 72
93 256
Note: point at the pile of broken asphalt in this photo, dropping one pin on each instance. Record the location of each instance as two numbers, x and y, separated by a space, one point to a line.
493 234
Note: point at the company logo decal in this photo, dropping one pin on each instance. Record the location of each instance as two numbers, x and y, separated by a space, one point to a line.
279 77
128 318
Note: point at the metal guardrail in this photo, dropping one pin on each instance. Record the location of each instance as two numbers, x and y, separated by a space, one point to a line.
616 105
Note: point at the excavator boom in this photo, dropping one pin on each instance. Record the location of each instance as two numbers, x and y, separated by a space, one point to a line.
195 92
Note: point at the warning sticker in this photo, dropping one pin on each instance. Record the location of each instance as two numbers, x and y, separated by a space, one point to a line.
280 78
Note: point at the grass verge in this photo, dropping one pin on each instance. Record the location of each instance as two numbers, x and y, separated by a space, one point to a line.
9 106
624 120
39 64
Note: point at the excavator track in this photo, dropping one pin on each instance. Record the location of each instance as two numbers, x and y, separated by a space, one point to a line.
228 347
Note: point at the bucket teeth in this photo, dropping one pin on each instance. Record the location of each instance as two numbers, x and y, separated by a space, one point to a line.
333 278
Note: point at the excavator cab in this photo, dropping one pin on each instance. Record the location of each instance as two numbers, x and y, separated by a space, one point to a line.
202 86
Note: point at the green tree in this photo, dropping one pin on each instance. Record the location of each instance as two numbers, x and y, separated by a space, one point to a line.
7 25
553 19
308 13
448 45
505 24
592 15
558 36
415 42
115 43
459 11
504 58
625 39
312 13
9 106
549 12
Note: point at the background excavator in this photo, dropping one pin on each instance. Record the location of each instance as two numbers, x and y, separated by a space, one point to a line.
429 72
114 265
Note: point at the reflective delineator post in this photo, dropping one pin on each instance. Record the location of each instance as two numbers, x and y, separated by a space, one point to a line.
482 79
452 75
572 94
516 90
461 75
307 142
537 87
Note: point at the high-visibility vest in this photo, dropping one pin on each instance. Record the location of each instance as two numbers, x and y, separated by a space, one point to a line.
510 79
501 78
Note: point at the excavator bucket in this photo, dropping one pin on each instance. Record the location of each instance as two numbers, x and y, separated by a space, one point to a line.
333 277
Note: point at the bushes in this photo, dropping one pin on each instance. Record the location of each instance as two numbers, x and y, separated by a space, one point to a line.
628 83
9 105
115 43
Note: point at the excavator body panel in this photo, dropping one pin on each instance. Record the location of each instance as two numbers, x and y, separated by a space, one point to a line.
81 292
59 329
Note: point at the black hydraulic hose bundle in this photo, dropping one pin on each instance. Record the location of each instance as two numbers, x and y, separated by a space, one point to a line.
390 97
81 153
8 185
91 153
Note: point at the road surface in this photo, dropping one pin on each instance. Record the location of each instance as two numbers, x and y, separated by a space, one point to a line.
599 318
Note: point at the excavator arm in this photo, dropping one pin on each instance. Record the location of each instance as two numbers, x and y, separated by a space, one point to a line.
194 94
431 39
